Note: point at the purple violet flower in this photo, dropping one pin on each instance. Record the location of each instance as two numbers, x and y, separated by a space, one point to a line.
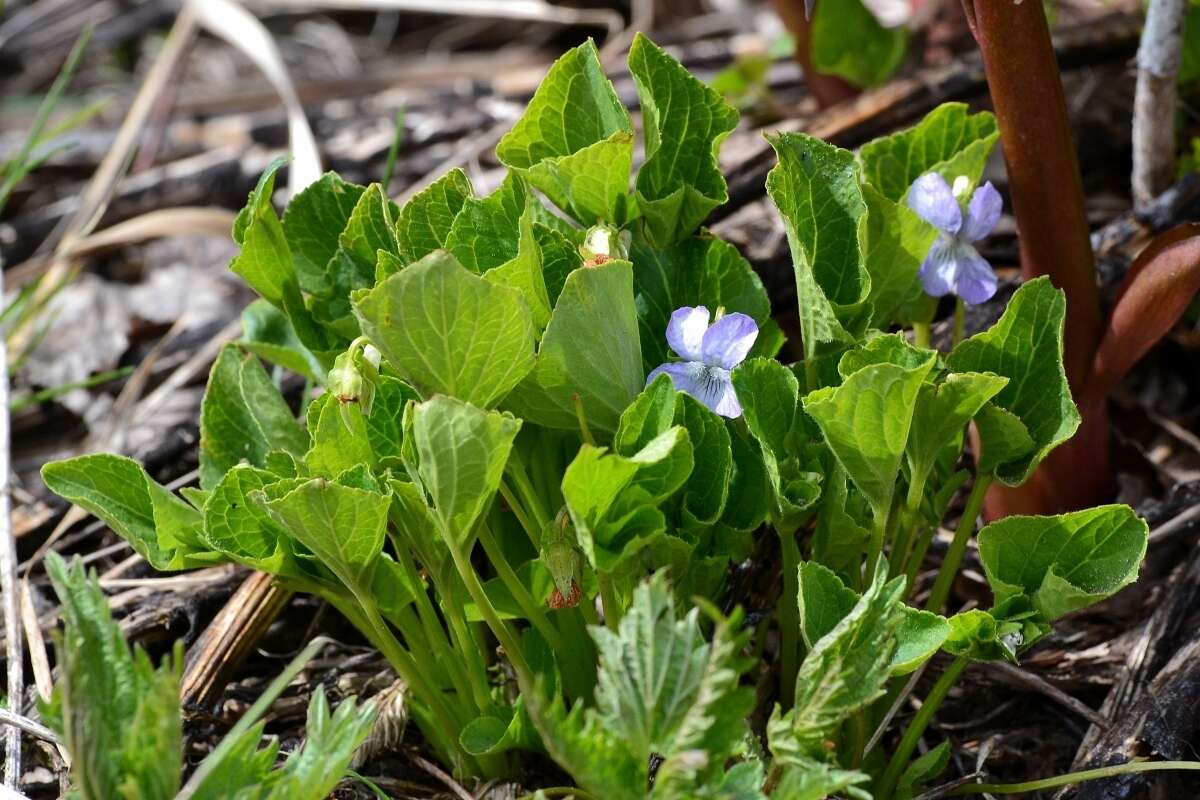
710 352
953 265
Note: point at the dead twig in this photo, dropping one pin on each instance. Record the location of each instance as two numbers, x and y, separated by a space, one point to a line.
29 726
1012 674
1159 58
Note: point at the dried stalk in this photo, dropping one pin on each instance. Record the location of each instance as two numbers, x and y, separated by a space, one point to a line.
14 651
1159 58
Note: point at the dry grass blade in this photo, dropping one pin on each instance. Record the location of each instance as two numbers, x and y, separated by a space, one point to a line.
182 221
102 184
530 10
237 26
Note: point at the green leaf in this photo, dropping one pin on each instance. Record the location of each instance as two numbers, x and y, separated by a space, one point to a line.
892 348
118 716
462 452
1026 346
575 140
423 224
448 331
339 441
747 504
942 411
707 486
163 529
590 349
330 740
484 234
819 781
525 273
613 499
242 417
685 123
843 525
560 257
661 690
866 422
769 395
265 260
876 51
312 224
897 241
240 528
498 732
949 140
656 410
344 527
1066 562
923 770
699 271
268 333
824 601
1003 438
259 198
844 672
816 188
385 424
368 231
979 636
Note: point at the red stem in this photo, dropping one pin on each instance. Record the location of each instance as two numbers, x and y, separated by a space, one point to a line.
1047 200
827 89
1043 170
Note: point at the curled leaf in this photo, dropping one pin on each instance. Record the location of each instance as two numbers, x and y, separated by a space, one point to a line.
1157 291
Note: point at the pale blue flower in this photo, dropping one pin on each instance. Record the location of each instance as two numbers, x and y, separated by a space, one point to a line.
709 353
953 265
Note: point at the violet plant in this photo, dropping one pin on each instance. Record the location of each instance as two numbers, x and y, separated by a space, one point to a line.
514 490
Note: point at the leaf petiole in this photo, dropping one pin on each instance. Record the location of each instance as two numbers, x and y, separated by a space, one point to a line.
962 534
1128 768
912 734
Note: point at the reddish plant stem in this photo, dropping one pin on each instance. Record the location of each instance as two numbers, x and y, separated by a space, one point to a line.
827 89
1048 203
1043 170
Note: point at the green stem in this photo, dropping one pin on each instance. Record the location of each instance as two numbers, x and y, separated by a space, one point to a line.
464 674
608 596
529 496
1128 768
585 432
960 321
518 510
504 633
469 645
909 524
587 609
921 334
529 607
789 618
962 534
878 534
912 734
440 728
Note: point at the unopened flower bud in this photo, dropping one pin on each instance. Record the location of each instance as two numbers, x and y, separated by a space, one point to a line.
603 243
353 377
561 558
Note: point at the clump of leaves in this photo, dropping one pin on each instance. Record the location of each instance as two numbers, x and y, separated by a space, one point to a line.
121 724
529 411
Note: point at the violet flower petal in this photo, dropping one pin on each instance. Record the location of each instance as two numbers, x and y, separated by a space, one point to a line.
939 271
685 331
727 341
933 201
983 212
976 282
712 386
